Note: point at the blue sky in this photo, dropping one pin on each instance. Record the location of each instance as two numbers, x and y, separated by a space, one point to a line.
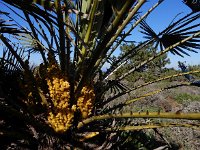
158 20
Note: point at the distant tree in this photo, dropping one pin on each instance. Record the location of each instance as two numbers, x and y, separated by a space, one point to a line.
149 70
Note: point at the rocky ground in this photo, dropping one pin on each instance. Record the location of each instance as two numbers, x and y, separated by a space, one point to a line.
183 99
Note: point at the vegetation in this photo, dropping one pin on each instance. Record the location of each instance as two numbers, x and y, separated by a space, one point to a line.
148 72
185 98
194 67
62 103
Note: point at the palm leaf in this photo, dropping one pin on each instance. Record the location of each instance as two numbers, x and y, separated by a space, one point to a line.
175 32
153 126
7 26
192 116
9 62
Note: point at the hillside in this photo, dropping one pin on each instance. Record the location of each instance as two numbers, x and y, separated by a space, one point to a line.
180 99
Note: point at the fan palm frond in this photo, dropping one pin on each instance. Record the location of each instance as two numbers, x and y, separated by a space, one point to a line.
175 32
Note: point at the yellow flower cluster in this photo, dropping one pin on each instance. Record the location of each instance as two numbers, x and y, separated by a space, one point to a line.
62 118
86 100
59 89
61 121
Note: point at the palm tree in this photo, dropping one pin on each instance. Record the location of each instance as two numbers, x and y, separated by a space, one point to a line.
62 103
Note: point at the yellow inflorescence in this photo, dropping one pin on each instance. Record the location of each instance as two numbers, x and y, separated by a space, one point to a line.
61 121
85 101
62 118
59 92
59 89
